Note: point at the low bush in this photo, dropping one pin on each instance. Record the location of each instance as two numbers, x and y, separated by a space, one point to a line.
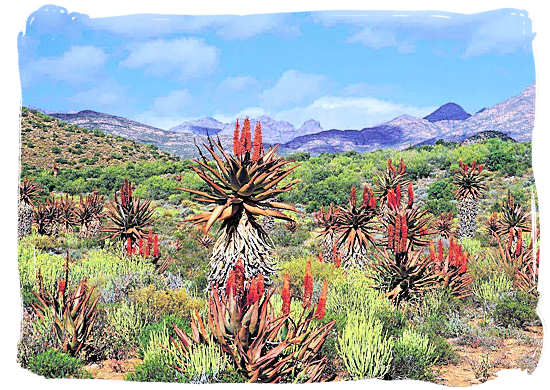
515 310
166 324
158 303
154 369
413 356
295 267
492 288
364 346
36 337
55 364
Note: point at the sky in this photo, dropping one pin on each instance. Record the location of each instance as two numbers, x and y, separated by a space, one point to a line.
348 70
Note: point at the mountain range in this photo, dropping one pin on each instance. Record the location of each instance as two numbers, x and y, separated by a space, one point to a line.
450 122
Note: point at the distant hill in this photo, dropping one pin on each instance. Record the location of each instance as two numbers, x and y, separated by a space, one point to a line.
485 135
180 143
448 112
46 140
513 118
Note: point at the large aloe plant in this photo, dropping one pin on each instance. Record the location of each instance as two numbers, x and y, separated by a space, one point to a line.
262 346
73 315
241 187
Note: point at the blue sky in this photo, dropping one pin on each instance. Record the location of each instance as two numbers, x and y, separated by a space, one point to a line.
345 69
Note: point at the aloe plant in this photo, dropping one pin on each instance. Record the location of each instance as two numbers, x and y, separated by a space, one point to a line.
263 347
241 188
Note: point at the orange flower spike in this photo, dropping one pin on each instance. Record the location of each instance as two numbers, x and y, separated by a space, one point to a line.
366 196
410 195
320 257
230 284
510 238
519 243
156 246
252 295
398 195
141 252
246 144
352 197
146 254
372 202
129 246
440 251
404 233
260 285
308 285
258 145
401 166
321 305
391 199
236 141
432 252
285 294
239 277
390 236
390 165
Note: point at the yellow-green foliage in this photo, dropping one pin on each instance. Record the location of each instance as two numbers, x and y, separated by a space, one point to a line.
159 345
493 287
277 305
364 346
39 241
417 344
126 320
352 291
470 245
202 360
99 266
295 267
165 302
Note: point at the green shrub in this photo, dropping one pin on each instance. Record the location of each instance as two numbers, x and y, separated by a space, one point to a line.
159 303
165 324
127 321
55 364
154 369
295 267
515 310
364 346
440 197
470 245
490 290
36 337
413 356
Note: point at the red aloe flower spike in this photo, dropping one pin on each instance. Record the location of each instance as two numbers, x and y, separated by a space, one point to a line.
320 257
390 237
401 166
260 285
156 246
258 145
473 166
440 251
392 204
480 169
285 294
236 141
390 165
519 243
397 234
410 195
432 252
252 295
366 196
61 286
141 251
352 197
404 233
308 285
398 194
239 277
230 284
147 249
246 145
372 202
129 246
510 239
321 305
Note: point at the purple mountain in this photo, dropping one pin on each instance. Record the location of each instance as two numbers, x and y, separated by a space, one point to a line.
448 112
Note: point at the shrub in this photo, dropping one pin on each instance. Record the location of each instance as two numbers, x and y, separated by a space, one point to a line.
54 364
126 320
36 337
440 198
296 268
165 324
364 346
515 310
153 369
159 303
413 355
489 290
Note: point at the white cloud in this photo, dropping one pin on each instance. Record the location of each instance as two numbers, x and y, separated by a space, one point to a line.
185 57
175 101
500 35
102 95
237 84
337 112
292 88
77 65
374 38
351 112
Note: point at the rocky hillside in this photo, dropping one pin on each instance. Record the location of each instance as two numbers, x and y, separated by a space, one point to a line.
46 140
513 118
485 135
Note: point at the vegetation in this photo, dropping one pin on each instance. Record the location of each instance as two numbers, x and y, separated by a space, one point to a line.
370 285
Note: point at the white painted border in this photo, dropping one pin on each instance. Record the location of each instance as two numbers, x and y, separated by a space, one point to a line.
15 16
